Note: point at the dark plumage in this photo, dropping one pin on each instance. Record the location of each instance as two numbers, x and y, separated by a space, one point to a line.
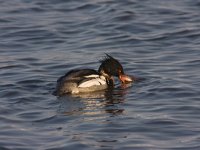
114 66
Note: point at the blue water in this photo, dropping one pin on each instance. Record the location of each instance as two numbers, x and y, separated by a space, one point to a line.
40 40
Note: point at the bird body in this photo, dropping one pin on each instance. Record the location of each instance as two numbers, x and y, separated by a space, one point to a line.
89 80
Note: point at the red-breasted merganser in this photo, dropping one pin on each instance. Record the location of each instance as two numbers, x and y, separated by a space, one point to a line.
89 80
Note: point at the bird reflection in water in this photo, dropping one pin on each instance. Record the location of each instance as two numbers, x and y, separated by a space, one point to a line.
95 103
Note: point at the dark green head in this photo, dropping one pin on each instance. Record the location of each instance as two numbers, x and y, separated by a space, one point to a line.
110 67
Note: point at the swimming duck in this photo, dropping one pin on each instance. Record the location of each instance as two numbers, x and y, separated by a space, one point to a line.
89 80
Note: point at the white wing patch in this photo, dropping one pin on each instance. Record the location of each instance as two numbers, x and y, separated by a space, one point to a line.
92 82
92 76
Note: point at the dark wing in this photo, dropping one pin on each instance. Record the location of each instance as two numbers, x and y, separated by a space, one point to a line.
77 73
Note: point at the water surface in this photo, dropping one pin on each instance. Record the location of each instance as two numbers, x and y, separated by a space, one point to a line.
156 40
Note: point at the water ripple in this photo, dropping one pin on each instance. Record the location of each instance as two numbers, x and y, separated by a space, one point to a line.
42 40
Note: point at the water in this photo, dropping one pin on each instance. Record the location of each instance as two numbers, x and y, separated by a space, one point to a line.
156 40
